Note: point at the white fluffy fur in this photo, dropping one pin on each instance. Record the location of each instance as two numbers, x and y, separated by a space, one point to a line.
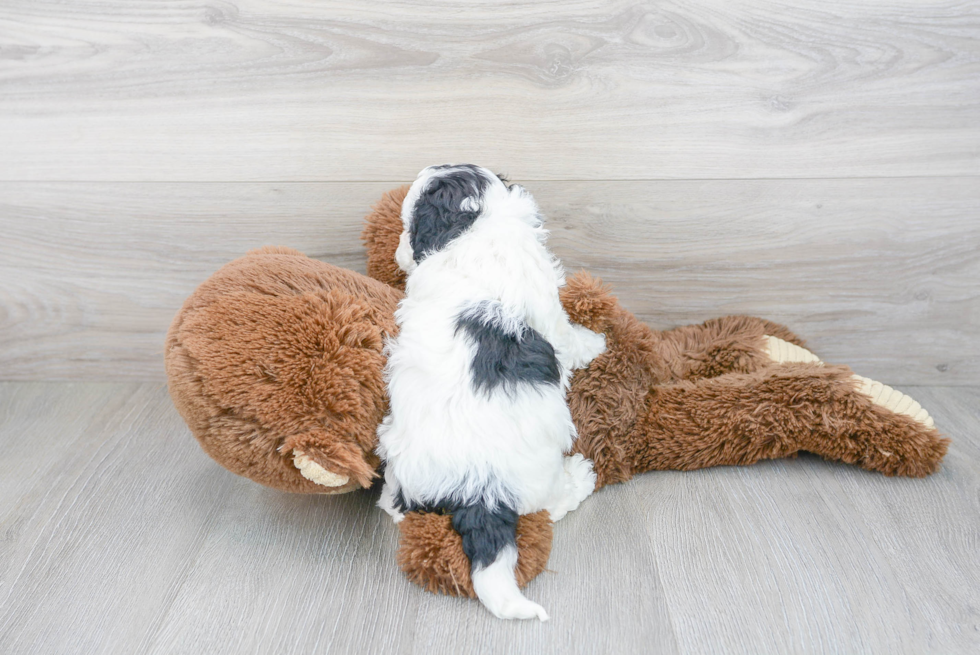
496 588
442 439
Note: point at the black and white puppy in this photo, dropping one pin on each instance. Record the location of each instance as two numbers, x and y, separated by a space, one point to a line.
478 373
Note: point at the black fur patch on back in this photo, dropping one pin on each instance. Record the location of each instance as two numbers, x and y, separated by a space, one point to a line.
438 217
503 359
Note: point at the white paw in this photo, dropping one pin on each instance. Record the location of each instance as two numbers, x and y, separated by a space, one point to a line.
387 503
579 483
316 473
893 399
584 347
580 475
520 608
784 352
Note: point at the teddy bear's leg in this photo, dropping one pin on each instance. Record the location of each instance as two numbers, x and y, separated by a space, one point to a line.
609 397
739 418
783 352
431 554
731 344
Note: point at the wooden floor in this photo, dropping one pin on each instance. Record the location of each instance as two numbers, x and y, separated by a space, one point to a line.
816 162
119 535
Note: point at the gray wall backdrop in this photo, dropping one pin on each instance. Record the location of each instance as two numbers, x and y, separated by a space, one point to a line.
816 163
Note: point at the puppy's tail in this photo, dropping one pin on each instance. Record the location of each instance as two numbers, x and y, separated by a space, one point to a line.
490 541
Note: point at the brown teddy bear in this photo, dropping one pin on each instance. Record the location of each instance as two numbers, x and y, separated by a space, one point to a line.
276 362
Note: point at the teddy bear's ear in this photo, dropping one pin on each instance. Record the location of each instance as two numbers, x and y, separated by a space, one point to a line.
382 229
330 461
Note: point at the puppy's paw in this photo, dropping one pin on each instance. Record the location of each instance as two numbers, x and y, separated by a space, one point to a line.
521 608
581 477
387 503
579 483
584 346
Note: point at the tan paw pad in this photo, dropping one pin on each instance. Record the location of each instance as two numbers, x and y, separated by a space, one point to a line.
784 352
316 473
893 399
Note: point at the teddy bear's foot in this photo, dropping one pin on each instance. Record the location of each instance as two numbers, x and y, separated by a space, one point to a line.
783 352
740 419
894 400
431 554
899 437
316 473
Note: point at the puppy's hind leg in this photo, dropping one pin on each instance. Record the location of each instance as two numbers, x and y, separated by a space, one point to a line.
490 542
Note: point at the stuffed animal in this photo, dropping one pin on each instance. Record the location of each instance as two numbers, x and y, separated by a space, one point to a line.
276 361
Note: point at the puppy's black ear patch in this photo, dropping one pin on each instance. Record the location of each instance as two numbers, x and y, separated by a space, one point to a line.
439 215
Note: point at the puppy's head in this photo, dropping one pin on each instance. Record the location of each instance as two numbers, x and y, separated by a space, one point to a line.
443 203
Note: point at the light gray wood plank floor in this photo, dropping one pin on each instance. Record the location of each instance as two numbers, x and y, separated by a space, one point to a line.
119 535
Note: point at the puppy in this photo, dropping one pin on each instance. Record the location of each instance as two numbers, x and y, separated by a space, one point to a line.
478 424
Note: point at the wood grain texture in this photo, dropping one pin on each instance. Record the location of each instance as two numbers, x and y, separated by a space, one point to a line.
571 90
807 556
878 274
94 273
120 535
882 275
96 547
593 590
678 149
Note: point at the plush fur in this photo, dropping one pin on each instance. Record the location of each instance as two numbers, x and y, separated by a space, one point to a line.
278 353
253 349
478 423
431 551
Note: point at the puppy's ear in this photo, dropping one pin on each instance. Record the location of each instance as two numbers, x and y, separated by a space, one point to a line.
446 208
